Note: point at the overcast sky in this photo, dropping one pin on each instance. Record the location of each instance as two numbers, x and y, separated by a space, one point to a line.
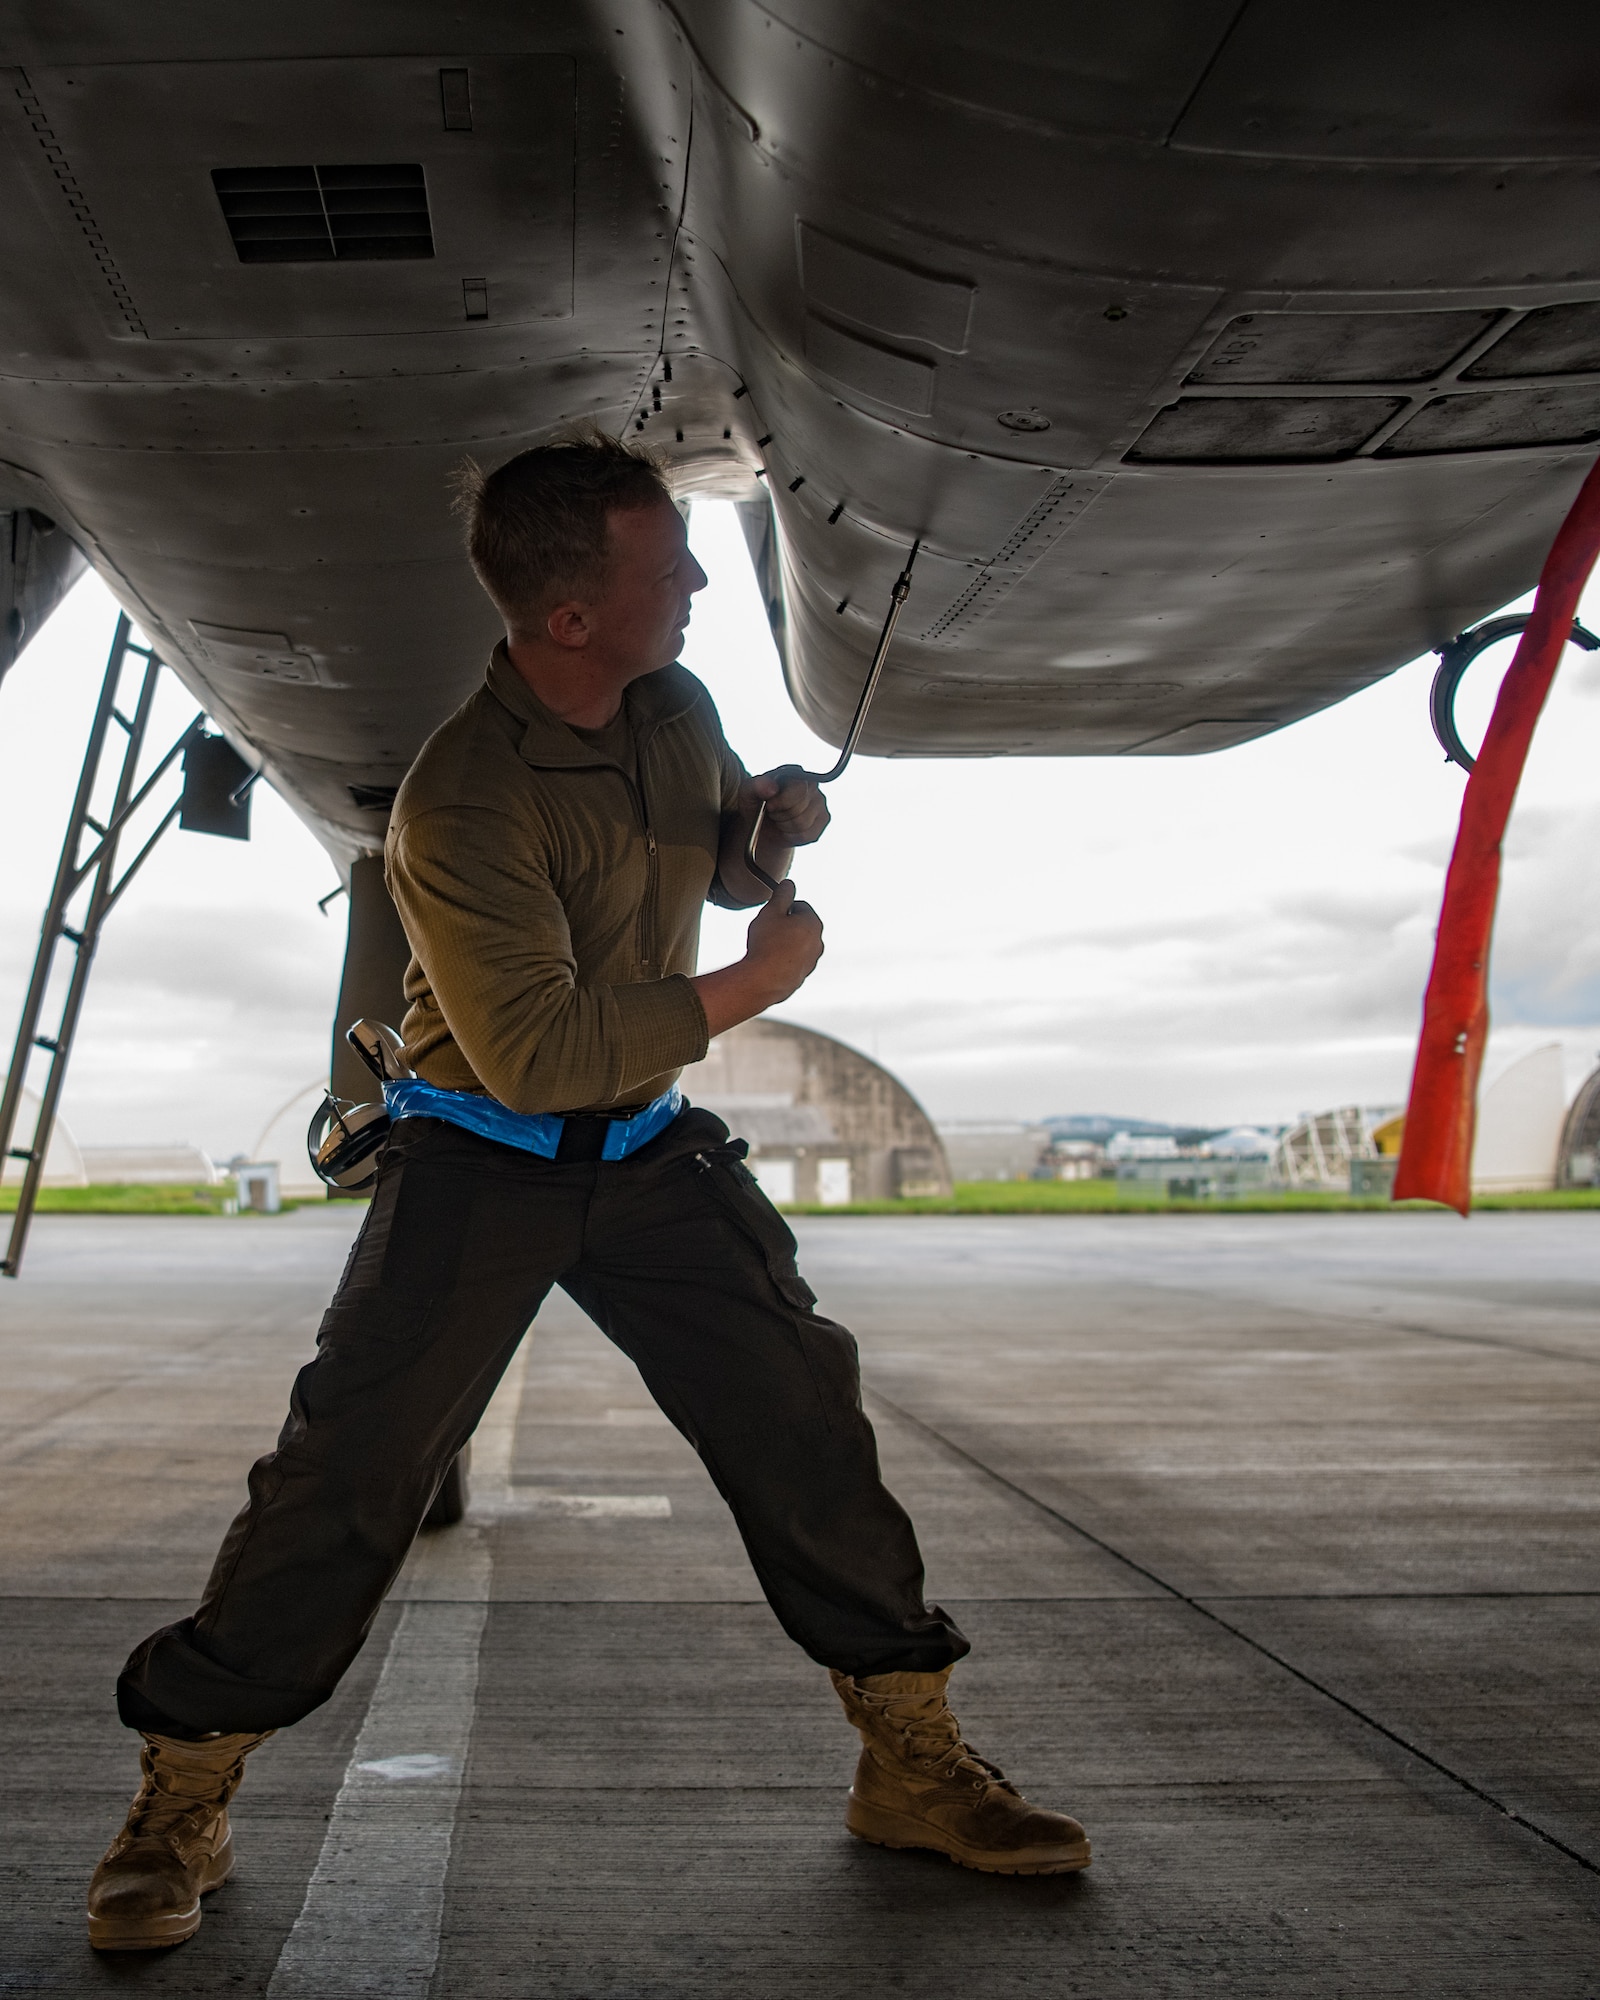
1229 938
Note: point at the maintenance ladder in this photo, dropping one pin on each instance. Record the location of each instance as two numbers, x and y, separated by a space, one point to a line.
90 882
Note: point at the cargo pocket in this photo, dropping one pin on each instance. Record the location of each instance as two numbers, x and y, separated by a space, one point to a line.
413 1241
380 1316
738 1193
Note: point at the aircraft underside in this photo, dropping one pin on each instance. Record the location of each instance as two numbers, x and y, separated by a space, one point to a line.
1223 358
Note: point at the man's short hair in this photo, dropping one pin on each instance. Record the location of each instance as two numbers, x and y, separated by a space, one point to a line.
536 526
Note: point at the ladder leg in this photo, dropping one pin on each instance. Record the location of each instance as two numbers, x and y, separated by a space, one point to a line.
70 880
61 893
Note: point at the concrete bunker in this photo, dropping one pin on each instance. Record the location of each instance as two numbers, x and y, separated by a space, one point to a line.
824 1123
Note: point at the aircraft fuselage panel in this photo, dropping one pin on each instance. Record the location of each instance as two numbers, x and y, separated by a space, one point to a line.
1224 359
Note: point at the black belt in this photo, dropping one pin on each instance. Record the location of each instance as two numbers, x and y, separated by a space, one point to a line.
581 1141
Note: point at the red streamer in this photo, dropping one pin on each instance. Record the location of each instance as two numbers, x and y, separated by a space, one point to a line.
1441 1117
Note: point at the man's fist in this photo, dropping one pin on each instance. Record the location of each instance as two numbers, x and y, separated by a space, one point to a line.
781 952
783 945
797 813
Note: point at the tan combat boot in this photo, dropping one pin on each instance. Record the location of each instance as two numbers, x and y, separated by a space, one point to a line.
175 1848
919 1785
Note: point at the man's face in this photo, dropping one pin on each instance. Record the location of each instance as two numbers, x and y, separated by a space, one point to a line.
638 625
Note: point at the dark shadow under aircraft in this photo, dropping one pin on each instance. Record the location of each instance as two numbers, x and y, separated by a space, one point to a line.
1223 356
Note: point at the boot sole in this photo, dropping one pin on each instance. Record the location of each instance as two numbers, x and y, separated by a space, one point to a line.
156 1933
889 1829
143 1933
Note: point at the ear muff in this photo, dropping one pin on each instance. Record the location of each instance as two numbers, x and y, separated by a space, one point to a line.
345 1140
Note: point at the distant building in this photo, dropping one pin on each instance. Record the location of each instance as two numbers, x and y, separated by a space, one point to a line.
1517 1141
1101 1129
1578 1154
1072 1160
67 1164
1389 1136
1133 1146
1195 1176
1525 1139
148 1166
994 1149
1243 1142
824 1123
1322 1151
63 1160
1209 1167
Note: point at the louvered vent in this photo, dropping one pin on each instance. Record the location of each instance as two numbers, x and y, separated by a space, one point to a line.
313 215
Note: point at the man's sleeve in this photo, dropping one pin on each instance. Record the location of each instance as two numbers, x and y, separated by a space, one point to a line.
731 774
490 933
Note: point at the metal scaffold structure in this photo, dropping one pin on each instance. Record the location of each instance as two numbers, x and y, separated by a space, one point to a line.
1317 1152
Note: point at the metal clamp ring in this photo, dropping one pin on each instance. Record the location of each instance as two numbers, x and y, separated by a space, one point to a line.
1454 661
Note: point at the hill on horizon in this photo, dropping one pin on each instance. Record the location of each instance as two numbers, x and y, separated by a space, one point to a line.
1082 1125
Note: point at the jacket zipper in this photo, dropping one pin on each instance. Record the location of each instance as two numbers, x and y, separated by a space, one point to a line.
647 937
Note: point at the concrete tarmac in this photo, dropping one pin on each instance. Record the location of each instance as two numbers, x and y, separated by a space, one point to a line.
1275 1537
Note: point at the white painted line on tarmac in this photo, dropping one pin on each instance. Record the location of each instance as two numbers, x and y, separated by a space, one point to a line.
410 1765
589 1506
495 1440
369 1927
370 1922
635 1417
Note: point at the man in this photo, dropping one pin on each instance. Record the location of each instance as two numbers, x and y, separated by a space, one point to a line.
549 854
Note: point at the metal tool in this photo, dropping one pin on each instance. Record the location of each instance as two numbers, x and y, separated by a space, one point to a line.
897 598
344 1139
1454 661
381 1049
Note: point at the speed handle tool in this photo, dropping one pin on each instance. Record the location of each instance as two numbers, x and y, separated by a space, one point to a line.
897 598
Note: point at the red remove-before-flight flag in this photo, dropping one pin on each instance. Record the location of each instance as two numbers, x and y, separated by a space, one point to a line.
1441 1116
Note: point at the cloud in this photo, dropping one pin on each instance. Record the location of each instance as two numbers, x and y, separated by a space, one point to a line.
224 961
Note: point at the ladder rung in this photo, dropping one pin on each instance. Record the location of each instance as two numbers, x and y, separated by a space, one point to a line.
20 1153
118 716
68 932
90 820
44 1042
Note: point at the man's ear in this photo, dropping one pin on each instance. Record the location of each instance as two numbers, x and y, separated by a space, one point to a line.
569 626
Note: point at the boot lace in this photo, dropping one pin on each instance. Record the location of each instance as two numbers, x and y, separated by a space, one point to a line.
927 1735
160 1811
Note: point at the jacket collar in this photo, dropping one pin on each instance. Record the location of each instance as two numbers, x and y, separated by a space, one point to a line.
548 744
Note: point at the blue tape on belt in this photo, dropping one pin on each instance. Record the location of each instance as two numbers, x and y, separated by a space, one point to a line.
530 1132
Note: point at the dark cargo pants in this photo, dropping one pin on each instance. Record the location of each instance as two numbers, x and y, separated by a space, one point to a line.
679 1258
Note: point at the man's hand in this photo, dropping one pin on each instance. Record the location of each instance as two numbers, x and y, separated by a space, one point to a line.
782 947
797 813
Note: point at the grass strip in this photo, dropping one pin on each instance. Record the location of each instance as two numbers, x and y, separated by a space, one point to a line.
1105 1198
969 1198
160 1198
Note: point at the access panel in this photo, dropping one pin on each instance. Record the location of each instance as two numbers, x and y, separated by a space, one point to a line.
348 196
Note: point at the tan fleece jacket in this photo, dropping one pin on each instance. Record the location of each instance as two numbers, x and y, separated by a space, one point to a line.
552 903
